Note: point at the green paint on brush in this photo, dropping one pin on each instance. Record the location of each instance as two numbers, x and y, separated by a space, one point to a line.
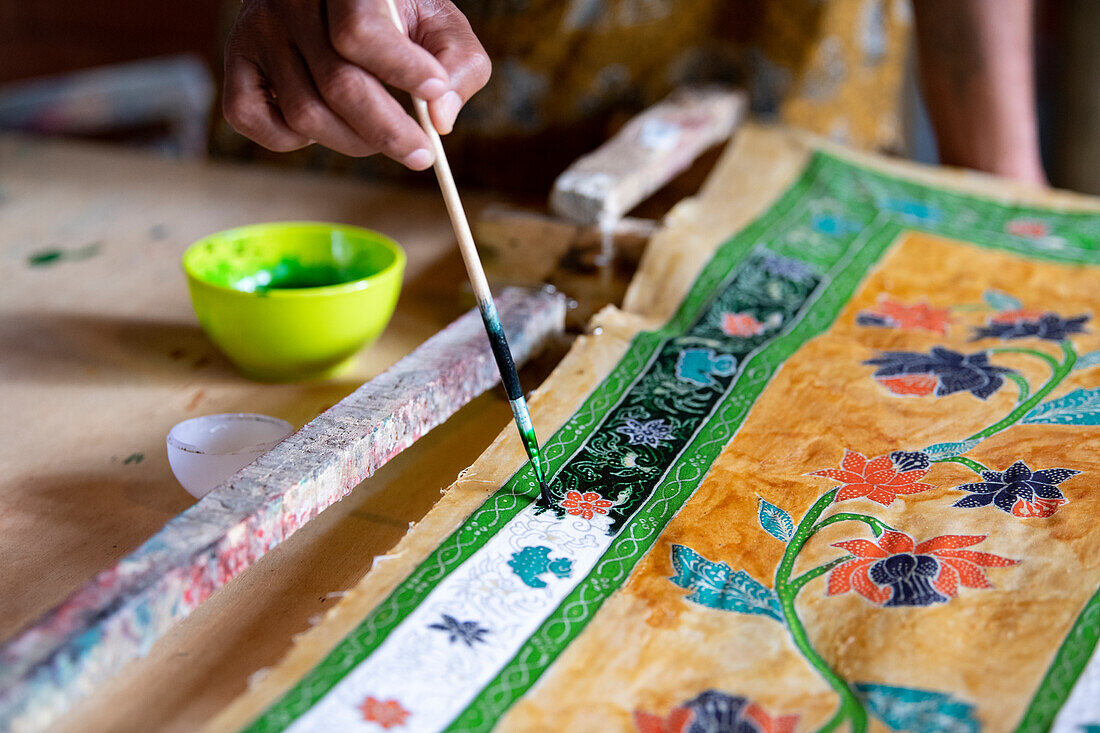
531 443
510 378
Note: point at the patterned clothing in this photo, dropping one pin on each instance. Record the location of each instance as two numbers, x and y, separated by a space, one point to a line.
566 74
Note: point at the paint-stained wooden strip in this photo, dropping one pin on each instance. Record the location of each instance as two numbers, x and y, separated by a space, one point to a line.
119 614
648 152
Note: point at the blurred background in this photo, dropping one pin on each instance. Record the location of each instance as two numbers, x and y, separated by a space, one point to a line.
148 73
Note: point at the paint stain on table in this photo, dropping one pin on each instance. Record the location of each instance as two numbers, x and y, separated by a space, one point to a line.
53 256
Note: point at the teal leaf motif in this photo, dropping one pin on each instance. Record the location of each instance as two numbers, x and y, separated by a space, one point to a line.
1085 361
700 366
918 711
775 521
715 585
1079 407
939 451
532 562
1000 301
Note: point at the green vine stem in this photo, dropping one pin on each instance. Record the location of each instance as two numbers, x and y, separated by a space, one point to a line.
1059 372
1050 360
968 462
877 525
806 577
850 707
1024 387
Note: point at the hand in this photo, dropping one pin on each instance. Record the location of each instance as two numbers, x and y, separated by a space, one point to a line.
304 71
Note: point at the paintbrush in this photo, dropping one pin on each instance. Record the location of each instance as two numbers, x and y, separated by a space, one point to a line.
508 375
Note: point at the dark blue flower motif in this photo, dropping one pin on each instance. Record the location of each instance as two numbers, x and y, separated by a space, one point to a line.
467 632
718 712
910 577
871 319
896 571
1018 491
714 711
1048 326
942 370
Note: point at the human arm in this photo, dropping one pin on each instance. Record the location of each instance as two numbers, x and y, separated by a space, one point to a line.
977 73
303 71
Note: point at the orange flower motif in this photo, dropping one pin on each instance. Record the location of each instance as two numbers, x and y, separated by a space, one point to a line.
1030 228
387 714
741 324
916 385
918 316
880 479
769 724
676 722
898 572
585 505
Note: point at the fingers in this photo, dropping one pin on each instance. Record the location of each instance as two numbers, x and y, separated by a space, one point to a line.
292 80
305 111
447 35
369 110
249 108
363 32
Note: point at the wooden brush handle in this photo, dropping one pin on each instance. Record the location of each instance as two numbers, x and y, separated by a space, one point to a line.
447 186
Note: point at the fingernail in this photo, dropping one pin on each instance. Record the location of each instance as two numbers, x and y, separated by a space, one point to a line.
431 89
449 105
418 159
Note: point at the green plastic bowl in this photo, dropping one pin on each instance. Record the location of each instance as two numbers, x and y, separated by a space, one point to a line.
294 300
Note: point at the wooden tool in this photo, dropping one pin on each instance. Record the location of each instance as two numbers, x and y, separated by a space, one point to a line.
651 149
508 375
119 614
586 247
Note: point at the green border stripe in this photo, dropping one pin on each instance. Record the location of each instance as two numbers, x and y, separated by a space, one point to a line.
1070 661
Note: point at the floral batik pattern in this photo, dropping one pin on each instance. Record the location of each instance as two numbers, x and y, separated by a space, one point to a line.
940 371
1018 491
881 479
385 714
467 632
1023 324
896 572
476 624
894 569
715 712
921 316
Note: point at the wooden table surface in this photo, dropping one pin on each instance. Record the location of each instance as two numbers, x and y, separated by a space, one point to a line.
100 354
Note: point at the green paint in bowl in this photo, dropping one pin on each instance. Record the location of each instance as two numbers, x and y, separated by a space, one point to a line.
294 300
